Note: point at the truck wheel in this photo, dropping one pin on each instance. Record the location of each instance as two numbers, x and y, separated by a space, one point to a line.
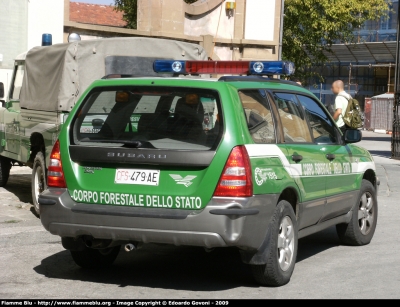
5 167
362 225
90 258
38 180
281 250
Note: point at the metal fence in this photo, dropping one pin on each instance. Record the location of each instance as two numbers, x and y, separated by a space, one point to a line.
396 122
381 114
396 129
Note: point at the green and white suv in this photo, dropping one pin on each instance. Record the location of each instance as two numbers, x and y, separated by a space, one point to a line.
250 162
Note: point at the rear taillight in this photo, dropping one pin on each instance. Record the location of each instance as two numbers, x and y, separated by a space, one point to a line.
236 177
55 174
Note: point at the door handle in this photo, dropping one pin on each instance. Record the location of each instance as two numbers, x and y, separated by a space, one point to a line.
297 158
330 157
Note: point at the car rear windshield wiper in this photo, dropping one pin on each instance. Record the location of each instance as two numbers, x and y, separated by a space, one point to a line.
127 143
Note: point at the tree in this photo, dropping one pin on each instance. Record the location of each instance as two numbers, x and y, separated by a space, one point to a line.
129 9
312 26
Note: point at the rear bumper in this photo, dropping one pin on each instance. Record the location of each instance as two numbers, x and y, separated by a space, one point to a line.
224 222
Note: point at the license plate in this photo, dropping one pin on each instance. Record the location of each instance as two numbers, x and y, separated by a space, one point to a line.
137 176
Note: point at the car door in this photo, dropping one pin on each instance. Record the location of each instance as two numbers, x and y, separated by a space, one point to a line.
340 182
12 114
270 174
307 159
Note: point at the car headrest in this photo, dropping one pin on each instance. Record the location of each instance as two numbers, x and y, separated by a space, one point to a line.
190 108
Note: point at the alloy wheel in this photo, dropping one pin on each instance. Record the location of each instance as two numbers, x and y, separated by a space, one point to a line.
366 213
286 243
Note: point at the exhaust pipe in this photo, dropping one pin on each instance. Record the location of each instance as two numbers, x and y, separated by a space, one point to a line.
129 247
97 243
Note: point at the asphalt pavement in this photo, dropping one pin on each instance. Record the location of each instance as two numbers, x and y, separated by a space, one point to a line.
33 264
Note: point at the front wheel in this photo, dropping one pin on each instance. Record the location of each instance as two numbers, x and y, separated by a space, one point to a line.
38 180
5 167
282 248
362 225
90 258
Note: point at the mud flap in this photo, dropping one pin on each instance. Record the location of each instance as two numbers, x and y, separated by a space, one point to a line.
257 257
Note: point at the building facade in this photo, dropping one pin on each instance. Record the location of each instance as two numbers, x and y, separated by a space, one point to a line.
228 30
22 24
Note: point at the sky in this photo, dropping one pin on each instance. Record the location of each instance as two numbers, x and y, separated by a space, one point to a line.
106 2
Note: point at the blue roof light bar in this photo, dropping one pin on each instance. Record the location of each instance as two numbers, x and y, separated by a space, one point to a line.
271 68
261 68
170 66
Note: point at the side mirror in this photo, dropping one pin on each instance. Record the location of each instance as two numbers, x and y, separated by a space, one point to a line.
1 90
97 124
352 136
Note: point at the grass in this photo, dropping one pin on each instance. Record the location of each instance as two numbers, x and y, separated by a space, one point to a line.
11 222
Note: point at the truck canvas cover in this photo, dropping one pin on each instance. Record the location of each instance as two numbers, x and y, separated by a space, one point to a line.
56 76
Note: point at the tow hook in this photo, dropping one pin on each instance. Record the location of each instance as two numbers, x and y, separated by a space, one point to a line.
129 247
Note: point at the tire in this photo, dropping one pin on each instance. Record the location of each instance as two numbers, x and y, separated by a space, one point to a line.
281 253
5 167
39 183
91 258
361 228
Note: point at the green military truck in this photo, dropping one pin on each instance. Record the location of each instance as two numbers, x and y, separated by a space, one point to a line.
48 81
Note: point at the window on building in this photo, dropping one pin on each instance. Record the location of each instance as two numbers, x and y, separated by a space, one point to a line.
385 23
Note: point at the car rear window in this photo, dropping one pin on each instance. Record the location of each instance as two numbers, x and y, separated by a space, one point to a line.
144 117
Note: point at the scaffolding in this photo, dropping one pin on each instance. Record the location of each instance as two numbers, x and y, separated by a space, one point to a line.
361 80
370 66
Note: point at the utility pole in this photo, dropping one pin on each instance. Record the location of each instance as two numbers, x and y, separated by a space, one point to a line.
281 29
396 119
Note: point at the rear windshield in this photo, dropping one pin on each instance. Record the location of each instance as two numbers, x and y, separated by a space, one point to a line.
144 117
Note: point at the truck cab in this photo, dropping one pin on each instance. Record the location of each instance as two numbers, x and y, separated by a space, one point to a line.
10 112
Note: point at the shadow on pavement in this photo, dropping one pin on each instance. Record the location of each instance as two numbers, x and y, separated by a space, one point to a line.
377 139
179 268
317 243
20 186
33 211
159 266
381 153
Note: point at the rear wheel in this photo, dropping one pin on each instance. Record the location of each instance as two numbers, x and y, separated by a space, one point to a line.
38 180
5 166
90 258
282 248
362 225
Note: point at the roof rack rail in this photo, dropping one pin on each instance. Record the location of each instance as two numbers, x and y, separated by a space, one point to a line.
255 79
116 76
119 76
